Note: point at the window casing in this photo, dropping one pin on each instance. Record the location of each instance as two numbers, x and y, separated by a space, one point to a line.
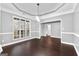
21 28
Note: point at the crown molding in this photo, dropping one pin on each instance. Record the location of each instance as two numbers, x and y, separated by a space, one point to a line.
63 13
58 7
35 15
18 14
58 14
71 11
9 11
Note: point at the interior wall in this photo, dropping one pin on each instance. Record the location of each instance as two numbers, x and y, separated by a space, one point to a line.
0 27
76 27
66 21
70 24
7 27
35 28
76 20
67 27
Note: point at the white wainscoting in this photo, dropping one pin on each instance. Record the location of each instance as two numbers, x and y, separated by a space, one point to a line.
76 35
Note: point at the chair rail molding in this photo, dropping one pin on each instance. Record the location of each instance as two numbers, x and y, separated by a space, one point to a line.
75 34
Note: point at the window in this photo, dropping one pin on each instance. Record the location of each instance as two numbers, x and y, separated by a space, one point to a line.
21 28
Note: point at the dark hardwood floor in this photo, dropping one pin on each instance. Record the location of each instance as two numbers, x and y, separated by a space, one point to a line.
45 46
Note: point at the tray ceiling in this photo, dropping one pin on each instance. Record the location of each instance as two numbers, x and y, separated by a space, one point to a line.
44 8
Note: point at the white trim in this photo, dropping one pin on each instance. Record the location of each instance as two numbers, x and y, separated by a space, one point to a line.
9 11
17 13
77 35
57 14
13 42
26 19
20 13
71 33
63 13
3 45
73 45
67 32
51 20
76 50
7 33
67 43
34 31
54 10
56 36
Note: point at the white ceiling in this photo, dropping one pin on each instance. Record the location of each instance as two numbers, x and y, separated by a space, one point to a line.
31 8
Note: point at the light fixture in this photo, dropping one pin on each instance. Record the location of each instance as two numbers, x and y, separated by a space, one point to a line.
37 16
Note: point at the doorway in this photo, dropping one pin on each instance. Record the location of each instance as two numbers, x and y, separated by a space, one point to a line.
51 28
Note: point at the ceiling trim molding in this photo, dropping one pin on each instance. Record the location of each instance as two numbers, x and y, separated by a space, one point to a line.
21 10
40 14
53 10
12 12
18 14
59 14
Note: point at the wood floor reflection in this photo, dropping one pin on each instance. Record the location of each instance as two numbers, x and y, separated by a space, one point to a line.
45 46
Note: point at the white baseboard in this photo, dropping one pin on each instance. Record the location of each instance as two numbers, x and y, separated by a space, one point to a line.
73 45
77 35
3 45
72 33
67 32
67 43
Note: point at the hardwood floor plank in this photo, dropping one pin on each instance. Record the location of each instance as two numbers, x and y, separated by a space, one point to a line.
45 46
